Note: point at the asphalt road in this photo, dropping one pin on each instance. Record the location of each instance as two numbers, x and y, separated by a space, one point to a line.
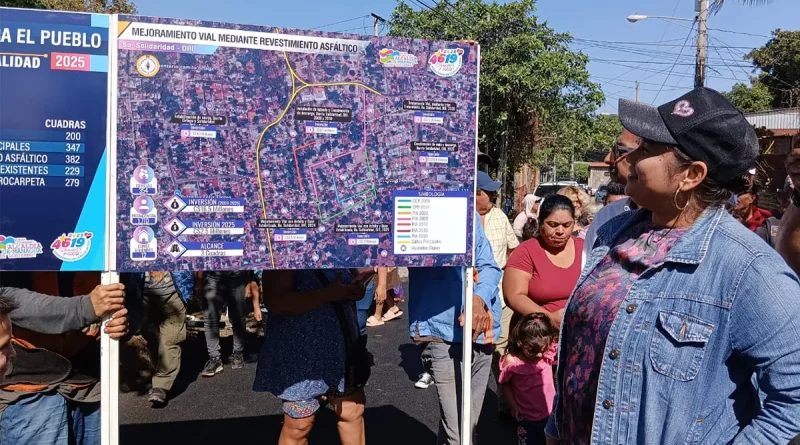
224 409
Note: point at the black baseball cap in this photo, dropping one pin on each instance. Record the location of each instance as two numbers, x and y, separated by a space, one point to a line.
703 125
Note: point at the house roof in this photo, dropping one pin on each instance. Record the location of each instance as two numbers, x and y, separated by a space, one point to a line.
781 119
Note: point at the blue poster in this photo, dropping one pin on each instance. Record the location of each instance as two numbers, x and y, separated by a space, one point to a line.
53 126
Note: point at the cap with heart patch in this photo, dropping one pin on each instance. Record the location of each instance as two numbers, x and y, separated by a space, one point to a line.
703 125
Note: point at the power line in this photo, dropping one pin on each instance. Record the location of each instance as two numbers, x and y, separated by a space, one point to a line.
621 42
739 32
727 47
677 62
343 21
688 36
663 35
357 28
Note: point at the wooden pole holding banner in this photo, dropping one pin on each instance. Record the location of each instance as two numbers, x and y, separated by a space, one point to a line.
109 349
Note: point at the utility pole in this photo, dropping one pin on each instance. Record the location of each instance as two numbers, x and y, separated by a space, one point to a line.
637 91
702 34
375 20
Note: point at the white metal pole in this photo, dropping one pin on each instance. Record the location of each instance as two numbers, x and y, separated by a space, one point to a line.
109 378
466 364
109 349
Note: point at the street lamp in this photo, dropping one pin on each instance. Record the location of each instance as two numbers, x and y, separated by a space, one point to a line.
633 18
702 32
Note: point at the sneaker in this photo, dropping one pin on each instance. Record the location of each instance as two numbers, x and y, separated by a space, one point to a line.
425 380
237 360
213 367
157 398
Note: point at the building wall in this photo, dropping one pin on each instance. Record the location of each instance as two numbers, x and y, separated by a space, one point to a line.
785 118
526 179
598 177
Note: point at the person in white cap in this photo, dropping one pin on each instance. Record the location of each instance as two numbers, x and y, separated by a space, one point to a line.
531 209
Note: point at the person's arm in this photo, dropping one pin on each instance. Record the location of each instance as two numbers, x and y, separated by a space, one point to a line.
764 335
519 224
788 244
515 290
280 298
488 272
512 242
504 385
380 285
257 306
789 238
47 314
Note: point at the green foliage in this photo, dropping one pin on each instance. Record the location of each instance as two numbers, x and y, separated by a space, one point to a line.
779 63
582 172
535 93
30 4
756 97
95 6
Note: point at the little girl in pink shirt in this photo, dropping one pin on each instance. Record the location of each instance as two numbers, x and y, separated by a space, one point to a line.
526 376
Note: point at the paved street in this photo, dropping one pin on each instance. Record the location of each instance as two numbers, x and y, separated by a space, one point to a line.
224 409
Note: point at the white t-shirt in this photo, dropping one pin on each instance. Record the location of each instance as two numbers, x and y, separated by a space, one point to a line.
605 215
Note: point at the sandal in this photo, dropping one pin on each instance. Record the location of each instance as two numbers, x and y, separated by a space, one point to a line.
393 313
372 321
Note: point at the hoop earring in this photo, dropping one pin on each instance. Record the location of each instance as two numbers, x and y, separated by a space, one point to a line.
675 200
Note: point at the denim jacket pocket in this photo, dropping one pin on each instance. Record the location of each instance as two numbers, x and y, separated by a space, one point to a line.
678 345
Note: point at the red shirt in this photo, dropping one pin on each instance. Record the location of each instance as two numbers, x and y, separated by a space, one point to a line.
550 286
759 216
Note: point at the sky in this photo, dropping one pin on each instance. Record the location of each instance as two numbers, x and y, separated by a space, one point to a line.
659 54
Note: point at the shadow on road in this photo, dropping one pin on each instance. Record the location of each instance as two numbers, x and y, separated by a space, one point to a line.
410 360
386 425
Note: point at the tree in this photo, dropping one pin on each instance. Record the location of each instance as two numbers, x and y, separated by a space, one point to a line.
95 6
582 172
534 91
717 4
780 67
755 97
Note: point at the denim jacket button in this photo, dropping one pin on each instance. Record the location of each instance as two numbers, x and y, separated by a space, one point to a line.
607 404
614 354
631 308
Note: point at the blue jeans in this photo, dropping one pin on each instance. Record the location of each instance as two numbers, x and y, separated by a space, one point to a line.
363 305
50 419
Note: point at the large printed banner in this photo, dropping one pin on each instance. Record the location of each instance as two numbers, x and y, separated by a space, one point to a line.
53 134
256 147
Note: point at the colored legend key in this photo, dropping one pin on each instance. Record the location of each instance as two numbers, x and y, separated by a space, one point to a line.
430 222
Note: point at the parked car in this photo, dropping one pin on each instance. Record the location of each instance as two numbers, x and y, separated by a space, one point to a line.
601 193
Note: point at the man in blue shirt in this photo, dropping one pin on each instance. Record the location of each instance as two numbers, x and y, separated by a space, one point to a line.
436 307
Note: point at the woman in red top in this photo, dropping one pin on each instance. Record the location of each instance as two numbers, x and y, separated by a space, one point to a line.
542 272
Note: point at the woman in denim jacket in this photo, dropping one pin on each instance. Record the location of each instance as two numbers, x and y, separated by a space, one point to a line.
681 310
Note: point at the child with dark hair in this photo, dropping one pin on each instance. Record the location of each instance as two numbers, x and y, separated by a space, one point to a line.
526 375
530 229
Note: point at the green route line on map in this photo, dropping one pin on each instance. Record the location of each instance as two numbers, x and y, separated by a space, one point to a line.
295 92
371 189
369 199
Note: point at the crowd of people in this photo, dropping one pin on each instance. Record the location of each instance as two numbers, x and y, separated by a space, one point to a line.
664 315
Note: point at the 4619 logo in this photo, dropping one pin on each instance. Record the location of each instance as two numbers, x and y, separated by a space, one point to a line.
73 246
446 62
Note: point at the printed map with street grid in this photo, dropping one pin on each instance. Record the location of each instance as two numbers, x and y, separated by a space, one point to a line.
257 147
